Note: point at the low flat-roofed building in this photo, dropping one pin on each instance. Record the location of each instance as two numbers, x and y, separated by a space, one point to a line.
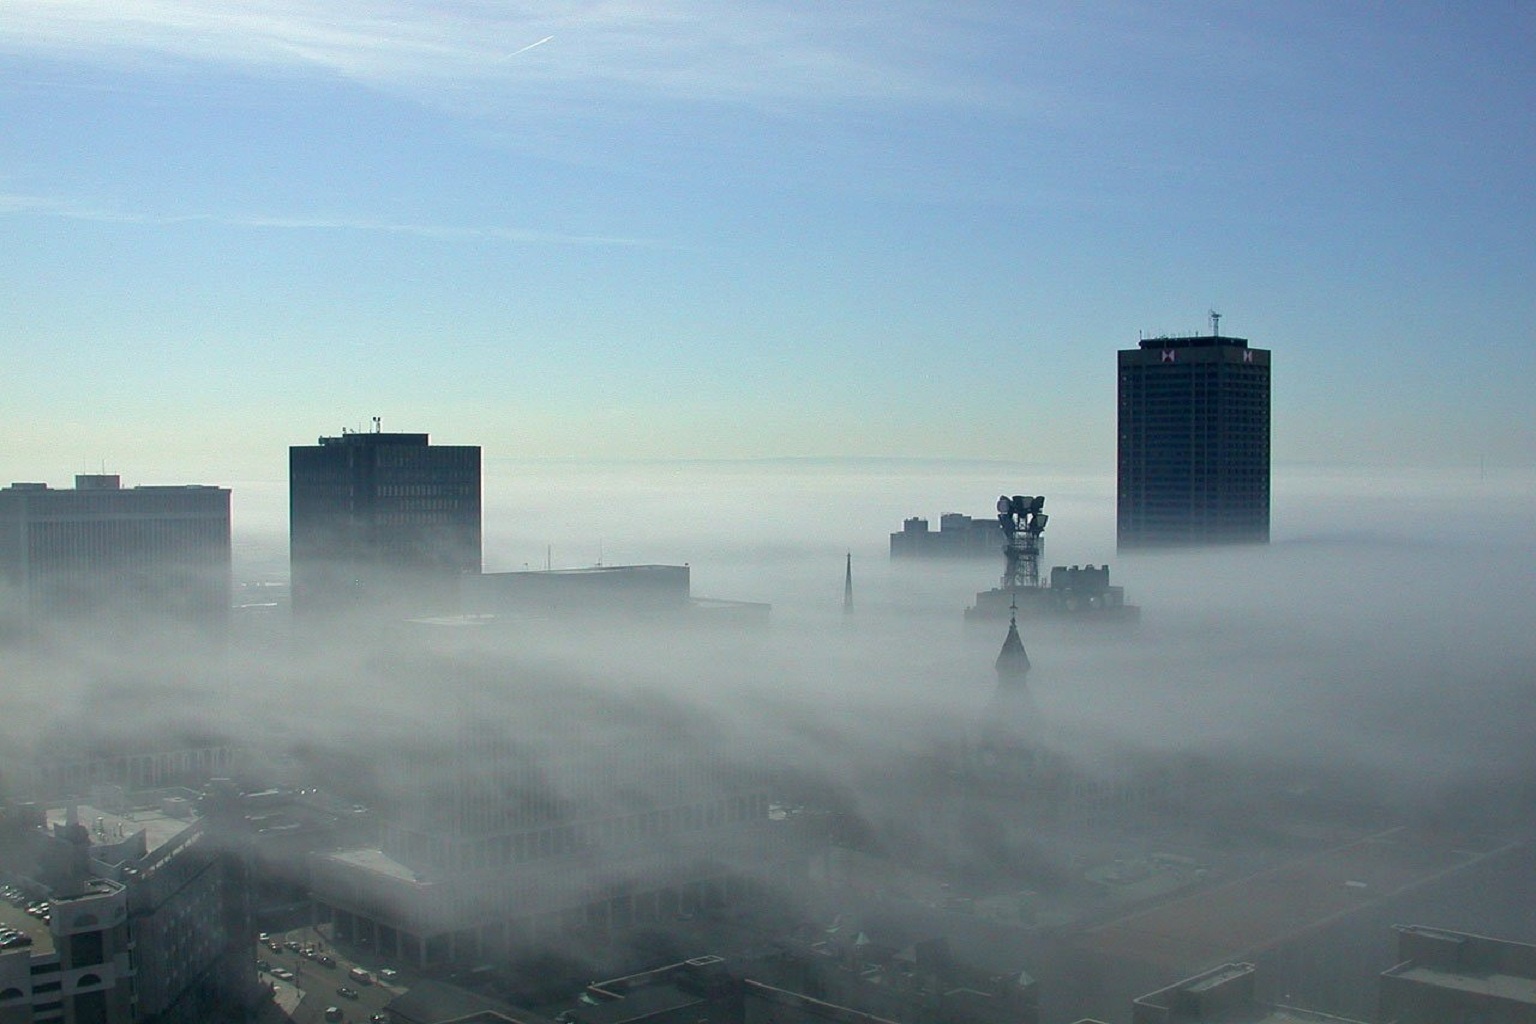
1221 995
634 588
1456 976
435 1002
598 589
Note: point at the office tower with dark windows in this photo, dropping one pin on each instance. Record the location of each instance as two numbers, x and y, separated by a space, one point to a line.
103 549
382 520
1193 442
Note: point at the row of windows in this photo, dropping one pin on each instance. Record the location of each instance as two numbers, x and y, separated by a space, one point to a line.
425 490
400 505
173 501
129 543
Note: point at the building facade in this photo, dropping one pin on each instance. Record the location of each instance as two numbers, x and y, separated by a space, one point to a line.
99 546
1193 463
958 536
381 518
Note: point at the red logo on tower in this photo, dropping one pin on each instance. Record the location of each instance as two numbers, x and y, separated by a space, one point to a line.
1247 355
1170 356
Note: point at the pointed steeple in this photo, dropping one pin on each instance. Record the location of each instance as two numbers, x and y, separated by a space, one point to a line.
1012 661
848 586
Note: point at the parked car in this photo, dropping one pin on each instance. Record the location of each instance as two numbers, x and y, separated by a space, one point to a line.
333 1013
325 961
360 976
346 992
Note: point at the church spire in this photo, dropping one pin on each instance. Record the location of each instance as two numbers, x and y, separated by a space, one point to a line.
1012 661
848 586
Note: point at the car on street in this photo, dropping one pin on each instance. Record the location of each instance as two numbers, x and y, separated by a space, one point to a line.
346 992
333 1013
282 973
389 974
360 976
325 961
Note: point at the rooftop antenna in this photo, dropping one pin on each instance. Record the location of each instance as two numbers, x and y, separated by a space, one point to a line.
848 586
378 425
1215 324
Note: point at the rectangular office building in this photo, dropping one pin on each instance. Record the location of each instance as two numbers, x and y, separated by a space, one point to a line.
381 519
100 547
1193 443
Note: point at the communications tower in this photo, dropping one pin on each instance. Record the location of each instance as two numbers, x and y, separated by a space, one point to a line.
1023 522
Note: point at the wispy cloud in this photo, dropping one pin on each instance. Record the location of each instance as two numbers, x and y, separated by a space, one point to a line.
749 52
530 46
15 204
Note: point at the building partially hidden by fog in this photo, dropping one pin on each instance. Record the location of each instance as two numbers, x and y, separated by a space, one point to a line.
635 591
1221 995
958 536
382 519
616 814
98 547
1193 462
1448 975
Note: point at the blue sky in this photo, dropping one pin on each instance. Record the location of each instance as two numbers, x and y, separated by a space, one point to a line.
680 229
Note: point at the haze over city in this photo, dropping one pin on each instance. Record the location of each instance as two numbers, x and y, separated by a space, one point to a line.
710 302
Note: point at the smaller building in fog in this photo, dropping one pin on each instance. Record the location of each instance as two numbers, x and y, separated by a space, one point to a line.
101 547
958 536
600 588
628 590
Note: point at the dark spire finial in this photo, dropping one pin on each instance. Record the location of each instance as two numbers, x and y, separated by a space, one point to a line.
848 585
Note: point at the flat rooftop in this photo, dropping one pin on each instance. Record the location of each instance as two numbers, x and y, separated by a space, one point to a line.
375 862
107 828
1507 987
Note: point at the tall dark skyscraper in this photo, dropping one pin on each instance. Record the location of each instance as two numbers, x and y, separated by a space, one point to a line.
382 520
1194 442
101 547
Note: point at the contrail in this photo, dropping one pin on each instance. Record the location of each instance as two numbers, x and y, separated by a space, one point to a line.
525 49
